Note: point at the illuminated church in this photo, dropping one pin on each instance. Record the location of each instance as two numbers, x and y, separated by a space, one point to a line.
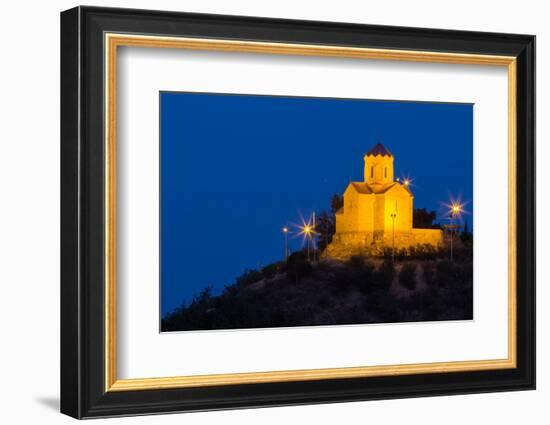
378 212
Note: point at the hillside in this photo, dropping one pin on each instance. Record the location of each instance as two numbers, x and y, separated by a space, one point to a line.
328 292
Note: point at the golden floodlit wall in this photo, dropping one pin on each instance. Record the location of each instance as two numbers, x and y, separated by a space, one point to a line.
427 236
398 201
377 213
378 170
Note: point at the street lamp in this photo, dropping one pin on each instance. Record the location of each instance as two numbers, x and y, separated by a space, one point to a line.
407 181
312 242
455 210
285 232
393 216
307 229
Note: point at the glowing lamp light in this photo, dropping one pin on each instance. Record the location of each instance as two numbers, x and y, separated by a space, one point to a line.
456 209
406 181
307 231
285 229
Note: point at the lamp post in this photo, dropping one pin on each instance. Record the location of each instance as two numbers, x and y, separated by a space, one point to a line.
393 216
312 243
456 209
307 232
285 232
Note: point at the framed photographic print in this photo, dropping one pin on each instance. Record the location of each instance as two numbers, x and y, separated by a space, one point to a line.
261 212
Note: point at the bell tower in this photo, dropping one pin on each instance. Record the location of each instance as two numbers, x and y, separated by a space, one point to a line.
378 167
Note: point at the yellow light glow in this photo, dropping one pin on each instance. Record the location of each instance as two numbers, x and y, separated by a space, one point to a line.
306 229
406 181
456 208
285 229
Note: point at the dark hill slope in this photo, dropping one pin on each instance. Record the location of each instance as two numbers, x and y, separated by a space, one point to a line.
333 293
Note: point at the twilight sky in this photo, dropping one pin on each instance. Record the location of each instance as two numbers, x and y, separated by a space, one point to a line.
235 169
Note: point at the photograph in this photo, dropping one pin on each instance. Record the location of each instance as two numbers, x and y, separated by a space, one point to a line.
284 211
265 209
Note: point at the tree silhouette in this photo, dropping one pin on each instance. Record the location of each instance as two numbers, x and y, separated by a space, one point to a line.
325 226
424 219
336 203
466 235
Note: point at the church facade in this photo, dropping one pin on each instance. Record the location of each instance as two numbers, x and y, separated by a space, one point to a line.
378 212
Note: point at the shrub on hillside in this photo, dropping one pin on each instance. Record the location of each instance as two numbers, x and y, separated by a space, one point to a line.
407 276
271 270
248 278
298 267
452 273
397 254
429 271
383 276
425 252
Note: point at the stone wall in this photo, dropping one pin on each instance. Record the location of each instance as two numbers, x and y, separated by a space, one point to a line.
428 236
345 245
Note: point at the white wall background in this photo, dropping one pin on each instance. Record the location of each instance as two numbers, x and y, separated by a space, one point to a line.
29 211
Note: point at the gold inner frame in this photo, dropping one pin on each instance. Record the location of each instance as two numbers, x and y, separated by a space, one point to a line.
113 41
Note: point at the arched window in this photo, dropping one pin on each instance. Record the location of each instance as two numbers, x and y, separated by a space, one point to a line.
385 172
371 172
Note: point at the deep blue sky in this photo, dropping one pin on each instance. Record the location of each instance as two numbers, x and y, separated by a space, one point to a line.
236 168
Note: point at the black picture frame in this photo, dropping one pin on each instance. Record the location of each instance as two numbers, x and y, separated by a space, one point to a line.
83 392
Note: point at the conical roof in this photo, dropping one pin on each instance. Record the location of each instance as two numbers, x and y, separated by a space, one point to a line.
378 149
